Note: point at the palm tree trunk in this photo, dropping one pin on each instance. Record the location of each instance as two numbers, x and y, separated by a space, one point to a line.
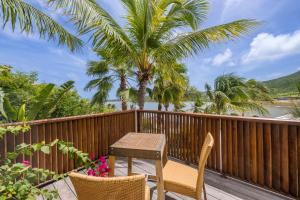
166 107
159 106
142 93
123 87
143 78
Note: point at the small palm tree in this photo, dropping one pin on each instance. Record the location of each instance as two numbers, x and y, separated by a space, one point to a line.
169 86
148 39
234 93
105 73
29 19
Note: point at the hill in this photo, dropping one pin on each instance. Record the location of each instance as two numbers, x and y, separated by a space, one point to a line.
285 85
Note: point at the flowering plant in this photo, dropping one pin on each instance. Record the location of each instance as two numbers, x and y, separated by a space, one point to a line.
18 179
99 168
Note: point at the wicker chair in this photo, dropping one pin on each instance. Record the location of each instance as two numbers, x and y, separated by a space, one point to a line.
186 180
113 188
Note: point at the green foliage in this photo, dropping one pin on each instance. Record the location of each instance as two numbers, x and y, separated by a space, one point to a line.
169 86
39 101
234 93
18 180
17 86
105 73
2 112
29 19
284 86
198 105
295 111
192 94
148 40
14 130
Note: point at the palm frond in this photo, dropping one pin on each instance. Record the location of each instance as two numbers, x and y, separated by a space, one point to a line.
27 18
89 17
192 43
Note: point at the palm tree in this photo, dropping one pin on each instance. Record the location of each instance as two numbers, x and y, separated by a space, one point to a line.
169 86
28 19
105 73
149 38
234 93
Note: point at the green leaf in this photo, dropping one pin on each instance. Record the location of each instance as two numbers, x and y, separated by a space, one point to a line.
45 149
21 113
29 19
36 147
2 112
10 110
40 100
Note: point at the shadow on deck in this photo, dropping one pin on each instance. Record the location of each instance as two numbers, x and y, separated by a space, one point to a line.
217 187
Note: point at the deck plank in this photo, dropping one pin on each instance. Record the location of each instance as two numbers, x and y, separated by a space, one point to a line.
64 190
217 187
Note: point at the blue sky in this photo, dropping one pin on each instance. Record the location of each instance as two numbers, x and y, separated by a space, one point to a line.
272 50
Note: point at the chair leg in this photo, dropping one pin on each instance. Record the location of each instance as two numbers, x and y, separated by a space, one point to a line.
204 192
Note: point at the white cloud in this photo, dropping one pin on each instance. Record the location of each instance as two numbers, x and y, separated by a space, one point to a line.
266 46
234 9
17 34
69 58
223 58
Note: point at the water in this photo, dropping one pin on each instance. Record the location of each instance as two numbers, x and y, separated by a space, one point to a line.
274 110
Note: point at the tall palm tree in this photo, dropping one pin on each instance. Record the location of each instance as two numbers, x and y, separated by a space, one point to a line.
28 19
149 38
105 73
234 93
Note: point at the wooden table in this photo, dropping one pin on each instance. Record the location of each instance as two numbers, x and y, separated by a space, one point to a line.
144 146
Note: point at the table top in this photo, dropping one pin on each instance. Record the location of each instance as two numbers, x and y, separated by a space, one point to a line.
139 145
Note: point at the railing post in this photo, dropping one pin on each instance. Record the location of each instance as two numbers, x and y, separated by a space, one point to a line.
136 120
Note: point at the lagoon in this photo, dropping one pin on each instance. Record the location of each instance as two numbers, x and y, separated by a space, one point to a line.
275 110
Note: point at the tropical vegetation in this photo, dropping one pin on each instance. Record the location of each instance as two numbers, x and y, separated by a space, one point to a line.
169 86
18 179
149 41
22 98
296 107
285 86
105 74
233 93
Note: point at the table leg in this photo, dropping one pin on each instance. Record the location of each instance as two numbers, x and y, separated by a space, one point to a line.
111 164
160 180
129 166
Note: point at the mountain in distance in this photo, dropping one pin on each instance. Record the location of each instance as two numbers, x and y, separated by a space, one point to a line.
285 85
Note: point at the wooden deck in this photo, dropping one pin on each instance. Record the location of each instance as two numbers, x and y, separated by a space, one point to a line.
218 188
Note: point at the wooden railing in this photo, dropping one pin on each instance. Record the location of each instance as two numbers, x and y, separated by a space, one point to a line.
264 152
89 133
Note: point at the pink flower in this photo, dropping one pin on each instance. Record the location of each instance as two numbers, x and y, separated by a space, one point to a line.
102 159
91 172
104 165
102 174
92 156
100 169
26 163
